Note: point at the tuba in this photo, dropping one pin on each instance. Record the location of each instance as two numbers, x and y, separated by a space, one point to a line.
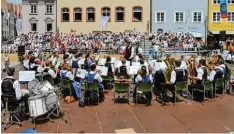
168 70
192 69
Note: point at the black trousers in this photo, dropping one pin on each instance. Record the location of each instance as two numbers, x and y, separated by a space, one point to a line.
196 94
24 99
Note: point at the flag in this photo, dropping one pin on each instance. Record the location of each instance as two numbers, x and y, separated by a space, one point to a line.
104 20
223 8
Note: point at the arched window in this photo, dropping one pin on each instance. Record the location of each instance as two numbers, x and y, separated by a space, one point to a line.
106 12
137 14
119 14
65 14
77 14
90 14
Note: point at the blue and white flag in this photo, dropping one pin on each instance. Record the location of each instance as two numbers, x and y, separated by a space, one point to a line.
104 20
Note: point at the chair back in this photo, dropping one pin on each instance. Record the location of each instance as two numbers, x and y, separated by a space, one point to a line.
144 87
108 78
121 87
9 99
181 86
219 82
92 86
65 84
208 85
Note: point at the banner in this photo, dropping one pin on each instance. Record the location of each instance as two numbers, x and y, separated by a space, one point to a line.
223 8
104 20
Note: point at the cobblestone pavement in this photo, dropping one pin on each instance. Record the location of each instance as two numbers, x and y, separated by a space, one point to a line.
212 117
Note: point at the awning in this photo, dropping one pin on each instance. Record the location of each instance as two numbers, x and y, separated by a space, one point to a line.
196 34
217 32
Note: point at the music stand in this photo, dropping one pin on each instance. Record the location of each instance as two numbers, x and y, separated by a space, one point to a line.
26 76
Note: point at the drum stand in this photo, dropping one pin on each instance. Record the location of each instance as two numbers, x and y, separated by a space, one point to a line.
58 113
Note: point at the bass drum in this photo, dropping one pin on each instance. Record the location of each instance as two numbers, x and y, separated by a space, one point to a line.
37 105
51 101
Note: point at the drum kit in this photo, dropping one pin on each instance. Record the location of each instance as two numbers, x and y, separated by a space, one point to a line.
43 100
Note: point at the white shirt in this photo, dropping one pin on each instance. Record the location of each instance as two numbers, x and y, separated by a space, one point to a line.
228 57
6 58
173 76
183 65
69 74
26 63
51 72
16 86
200 73
139 78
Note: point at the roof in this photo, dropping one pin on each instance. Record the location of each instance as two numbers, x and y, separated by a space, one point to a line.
15 7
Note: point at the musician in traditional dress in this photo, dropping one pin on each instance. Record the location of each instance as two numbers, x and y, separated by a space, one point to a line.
129 52
95 76
143 77
66 72
37 66
123 70
11 86
201 76
50 71
229 57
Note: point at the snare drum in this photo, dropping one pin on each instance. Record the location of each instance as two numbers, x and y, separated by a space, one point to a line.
37 105
51 100
45 87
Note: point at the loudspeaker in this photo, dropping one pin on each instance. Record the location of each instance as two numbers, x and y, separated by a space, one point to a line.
222 35
21 50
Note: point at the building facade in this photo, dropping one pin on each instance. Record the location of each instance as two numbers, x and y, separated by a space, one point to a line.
39 16
216 23
174 16
84 16
8 20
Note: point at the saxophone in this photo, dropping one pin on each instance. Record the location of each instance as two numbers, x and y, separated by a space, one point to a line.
168 70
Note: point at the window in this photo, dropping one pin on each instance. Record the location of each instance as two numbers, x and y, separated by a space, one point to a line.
119 14
216 16
197 16
230 16
33 9
106 11
137 14
160 17
90 14
65 14
34 27
179 16
230 1
77 14
49 9
216 1
49 27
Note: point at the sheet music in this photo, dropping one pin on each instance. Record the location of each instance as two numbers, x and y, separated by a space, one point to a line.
26 75
101 62
113 59
81 73
81 61
134 69
117 64
136 64
103 69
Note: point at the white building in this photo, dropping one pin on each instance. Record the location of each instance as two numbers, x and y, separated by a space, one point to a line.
39 16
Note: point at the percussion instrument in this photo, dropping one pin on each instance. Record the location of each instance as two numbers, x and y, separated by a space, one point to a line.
45 87
33 84
37 105
51 100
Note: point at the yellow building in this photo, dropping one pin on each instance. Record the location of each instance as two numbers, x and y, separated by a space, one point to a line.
216 23
85 15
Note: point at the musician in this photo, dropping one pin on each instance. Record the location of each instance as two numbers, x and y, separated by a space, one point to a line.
37 66
229 57
143 63
177 75
123 70
26 62
95 76
10 85
143 77
201 76
129 52
49 71
184 64
66 73
110 66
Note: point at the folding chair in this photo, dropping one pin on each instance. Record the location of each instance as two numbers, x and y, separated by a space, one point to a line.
181 86
121 88
144 88
65 84
208 87
92 87
219 83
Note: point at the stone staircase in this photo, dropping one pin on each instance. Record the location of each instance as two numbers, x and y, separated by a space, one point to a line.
145 45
